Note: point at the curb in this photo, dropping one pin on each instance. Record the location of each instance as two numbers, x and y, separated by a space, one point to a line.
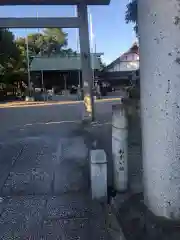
36 104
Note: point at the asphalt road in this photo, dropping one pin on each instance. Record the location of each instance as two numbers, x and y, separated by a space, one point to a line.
56 120
14 119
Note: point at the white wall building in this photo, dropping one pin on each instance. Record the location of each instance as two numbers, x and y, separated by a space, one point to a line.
129 61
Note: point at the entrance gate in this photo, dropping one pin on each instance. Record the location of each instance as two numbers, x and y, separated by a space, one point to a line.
81 22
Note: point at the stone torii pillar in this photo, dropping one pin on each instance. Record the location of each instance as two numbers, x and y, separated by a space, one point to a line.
87 73
159 29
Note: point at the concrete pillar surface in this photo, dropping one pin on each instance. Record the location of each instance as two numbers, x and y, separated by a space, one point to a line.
87 73
159 29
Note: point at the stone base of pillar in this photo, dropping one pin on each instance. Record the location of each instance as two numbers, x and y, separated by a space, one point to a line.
86 118
137 222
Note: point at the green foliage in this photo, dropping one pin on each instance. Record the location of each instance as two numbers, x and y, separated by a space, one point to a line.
35 42
8 49
131 14
13 59
102 64
54 40
9 54
13 52
50 41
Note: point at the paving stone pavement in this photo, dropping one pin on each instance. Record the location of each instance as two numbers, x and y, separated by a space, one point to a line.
44 187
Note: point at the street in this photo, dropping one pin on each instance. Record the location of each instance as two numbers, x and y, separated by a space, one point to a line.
15 118
44 174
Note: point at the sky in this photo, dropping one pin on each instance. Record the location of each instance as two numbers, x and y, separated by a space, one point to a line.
112 35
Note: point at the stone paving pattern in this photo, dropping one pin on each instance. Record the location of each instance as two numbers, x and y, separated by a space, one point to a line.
44 186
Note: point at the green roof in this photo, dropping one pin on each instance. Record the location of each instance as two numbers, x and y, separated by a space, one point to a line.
57 63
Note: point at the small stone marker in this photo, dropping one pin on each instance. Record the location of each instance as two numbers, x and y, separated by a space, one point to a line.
98 175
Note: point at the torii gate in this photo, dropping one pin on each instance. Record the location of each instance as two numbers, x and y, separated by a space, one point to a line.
159 30
81 22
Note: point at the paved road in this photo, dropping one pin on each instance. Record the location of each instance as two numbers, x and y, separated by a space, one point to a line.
13 118
44 174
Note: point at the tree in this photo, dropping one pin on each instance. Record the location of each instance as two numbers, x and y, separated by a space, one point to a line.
131 14
53 40
13 53
35 43
9 54
68 52
8 48
102 64
50 41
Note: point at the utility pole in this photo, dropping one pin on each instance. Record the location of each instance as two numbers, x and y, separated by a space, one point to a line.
92 45
28 67
77 47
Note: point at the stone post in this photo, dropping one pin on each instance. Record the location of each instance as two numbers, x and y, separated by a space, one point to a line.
98 175
120 147
159 29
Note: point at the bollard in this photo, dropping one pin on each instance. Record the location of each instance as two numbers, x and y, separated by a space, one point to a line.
98 175
120 147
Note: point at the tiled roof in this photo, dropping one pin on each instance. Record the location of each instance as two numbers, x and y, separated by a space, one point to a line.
57 63
133 49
